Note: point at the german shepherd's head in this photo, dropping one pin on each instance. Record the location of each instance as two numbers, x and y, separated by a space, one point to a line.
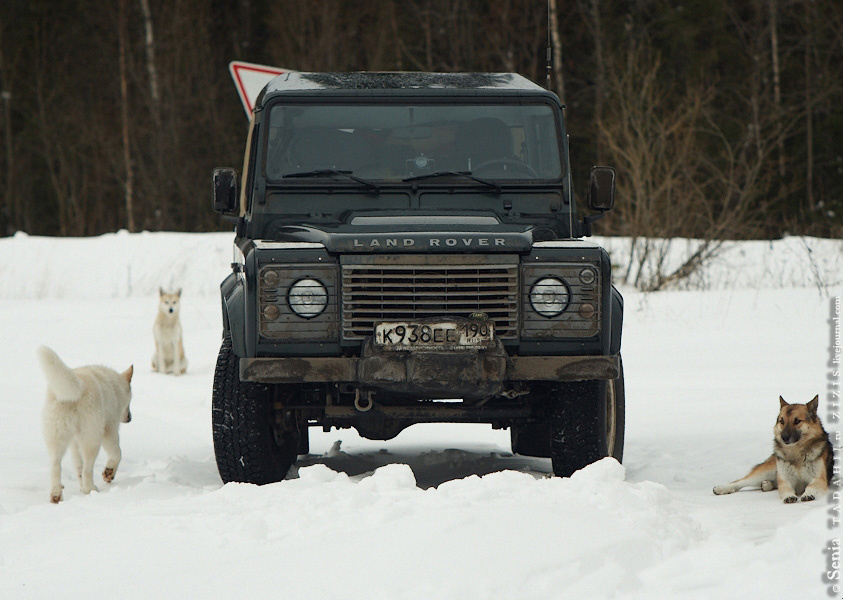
798 422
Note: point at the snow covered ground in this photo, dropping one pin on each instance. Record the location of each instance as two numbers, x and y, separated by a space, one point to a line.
442 511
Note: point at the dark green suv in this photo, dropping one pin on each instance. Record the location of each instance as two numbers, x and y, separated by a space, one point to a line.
409 251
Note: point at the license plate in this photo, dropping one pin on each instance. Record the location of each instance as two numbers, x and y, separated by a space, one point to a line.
432 336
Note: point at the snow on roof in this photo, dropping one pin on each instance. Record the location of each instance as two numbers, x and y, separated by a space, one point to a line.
399 81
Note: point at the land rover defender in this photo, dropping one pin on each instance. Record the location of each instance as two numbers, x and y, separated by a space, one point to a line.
409 250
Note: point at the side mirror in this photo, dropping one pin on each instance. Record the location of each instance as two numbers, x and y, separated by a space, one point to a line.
226 190
601 189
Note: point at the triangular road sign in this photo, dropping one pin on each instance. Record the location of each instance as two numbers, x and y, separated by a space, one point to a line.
250 79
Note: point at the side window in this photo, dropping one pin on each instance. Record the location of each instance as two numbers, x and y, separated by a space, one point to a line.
248 169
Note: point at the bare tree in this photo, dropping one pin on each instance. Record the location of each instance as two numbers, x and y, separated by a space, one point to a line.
777 85
553 25
149 44
7 212
124 114
682 175
594 22
809 105
396 36
80 157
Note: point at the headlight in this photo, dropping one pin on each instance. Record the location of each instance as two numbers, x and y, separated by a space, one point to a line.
307 298
549 297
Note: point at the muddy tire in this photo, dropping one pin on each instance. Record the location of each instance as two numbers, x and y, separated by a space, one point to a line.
616 416
586 424
249 446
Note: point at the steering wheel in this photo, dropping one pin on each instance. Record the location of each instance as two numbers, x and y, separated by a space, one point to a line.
506 162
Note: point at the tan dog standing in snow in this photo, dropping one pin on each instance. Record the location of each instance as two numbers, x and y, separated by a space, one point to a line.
169 350
84 409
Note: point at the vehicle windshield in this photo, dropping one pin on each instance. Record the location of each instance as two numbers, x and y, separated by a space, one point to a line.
393 142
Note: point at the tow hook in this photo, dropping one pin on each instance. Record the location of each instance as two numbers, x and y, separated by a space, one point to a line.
363 403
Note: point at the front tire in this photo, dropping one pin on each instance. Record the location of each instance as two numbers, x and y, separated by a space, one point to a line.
249 443
587 424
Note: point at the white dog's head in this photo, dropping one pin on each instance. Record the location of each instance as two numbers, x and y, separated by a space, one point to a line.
126 417
168 302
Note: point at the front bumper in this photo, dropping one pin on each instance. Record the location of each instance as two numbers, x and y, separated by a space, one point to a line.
479 373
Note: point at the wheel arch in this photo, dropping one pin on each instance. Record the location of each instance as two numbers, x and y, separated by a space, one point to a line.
233 296
617 322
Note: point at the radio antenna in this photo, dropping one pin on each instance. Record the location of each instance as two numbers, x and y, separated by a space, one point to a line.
549 57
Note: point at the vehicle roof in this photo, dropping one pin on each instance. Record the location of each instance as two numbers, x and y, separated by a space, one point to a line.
401 83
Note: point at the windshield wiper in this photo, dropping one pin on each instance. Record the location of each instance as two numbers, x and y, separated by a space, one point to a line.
466 174
326 172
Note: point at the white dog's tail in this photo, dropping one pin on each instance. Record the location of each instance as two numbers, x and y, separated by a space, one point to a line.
62 381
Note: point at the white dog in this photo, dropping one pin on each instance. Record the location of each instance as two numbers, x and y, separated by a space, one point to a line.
84 409
169 351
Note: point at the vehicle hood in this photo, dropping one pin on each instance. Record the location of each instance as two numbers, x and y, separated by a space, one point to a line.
369 239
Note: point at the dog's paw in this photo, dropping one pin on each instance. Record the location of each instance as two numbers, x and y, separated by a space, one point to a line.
723 489
791 499
807 497
767 486
88 490
56 496
108 475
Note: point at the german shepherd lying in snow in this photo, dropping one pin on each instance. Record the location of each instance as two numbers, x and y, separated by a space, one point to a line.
802 461
84 409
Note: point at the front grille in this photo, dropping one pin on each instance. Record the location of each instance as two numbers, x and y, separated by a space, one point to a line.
410 292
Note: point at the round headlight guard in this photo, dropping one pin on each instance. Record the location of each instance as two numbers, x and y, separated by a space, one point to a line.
549 297
307 298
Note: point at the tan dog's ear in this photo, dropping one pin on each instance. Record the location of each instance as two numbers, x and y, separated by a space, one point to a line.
127 374
782 403
814 404
178 292
160 291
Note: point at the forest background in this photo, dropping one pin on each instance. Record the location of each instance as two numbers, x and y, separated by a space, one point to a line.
724 118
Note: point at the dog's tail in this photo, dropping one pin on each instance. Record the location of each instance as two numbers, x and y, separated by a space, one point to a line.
62 381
